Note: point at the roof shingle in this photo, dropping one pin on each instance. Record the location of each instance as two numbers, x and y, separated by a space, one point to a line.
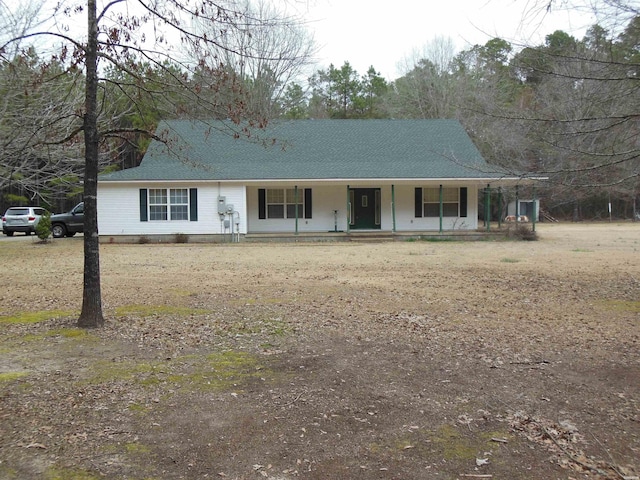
312 150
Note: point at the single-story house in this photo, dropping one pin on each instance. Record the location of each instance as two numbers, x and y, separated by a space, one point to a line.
300 177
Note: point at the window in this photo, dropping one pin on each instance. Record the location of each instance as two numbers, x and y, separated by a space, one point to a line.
157 204
179 198
282 203
17 211
168 204
450 202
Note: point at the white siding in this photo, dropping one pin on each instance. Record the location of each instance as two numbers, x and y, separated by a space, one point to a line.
119 210
327 198
405 212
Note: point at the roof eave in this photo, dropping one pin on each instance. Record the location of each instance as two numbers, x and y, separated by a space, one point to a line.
501 180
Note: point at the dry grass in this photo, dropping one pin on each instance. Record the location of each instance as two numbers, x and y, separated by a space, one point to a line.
378 360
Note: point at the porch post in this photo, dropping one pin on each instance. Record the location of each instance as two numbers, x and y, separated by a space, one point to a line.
517 204
348 210
441 207
295 195
393 208
499 207
487 207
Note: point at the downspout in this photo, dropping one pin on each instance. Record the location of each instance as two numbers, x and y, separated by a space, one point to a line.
295 196
393 208
441 207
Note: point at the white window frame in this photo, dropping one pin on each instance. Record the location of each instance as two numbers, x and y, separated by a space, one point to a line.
168 204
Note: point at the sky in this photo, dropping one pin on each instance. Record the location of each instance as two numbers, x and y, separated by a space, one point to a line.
384 33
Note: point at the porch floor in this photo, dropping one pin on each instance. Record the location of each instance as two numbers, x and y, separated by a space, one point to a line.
373 236
352 236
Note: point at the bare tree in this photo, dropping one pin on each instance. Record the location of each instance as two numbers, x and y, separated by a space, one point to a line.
133 37
567 108
267 51
586 104
426 88
17 20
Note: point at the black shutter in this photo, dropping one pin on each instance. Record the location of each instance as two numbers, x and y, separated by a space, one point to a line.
418 202
307 203
463 201
143 205
193 204
262 203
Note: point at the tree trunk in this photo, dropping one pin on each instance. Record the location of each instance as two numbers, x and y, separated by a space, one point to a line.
91 315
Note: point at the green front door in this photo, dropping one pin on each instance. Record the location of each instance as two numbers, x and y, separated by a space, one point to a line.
365 208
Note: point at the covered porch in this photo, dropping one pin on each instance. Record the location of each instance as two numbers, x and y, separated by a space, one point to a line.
374 209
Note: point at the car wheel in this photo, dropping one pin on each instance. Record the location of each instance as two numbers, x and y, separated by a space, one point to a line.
28 232
58 231
8 233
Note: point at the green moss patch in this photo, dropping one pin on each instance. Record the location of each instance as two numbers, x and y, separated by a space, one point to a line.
455 446
447 443
157 310
35 317
138 408
69 333
78 334
274 326
216 371
106 371
260 301
136 448
510 260
219 371
622 305
6 377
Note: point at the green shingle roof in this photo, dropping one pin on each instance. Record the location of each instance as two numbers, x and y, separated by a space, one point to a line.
311 150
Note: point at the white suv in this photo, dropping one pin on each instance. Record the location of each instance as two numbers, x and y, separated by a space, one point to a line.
21 219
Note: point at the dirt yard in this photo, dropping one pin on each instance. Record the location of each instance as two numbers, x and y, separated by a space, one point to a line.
393 360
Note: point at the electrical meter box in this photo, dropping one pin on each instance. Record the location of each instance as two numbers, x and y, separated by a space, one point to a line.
222 205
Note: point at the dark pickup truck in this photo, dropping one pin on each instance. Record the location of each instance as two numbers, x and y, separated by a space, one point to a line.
68 224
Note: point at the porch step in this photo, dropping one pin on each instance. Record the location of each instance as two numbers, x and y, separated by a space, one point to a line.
370 237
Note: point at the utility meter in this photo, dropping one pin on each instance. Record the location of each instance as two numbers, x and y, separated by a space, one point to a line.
222 205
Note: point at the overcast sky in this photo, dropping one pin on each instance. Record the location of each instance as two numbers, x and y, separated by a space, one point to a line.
383 33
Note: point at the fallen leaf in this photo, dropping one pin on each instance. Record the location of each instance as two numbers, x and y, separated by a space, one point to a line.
36 445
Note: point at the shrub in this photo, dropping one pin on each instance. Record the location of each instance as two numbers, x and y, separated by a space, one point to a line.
43 229
521 231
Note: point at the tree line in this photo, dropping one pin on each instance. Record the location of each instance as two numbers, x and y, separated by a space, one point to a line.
567 108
